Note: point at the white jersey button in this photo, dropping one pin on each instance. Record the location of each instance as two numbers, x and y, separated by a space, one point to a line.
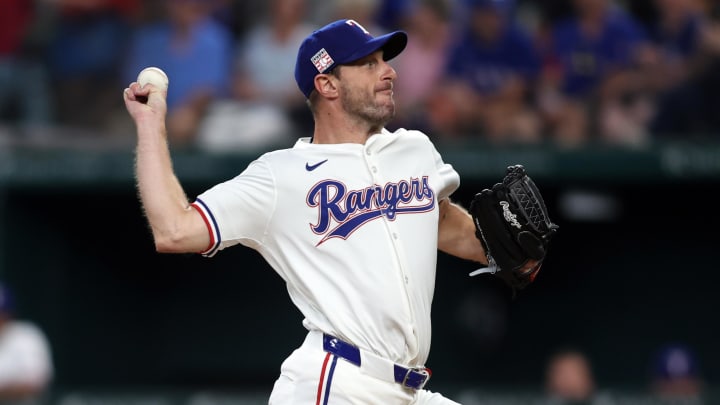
374 169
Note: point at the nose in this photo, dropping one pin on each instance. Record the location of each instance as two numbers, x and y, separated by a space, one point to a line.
389 72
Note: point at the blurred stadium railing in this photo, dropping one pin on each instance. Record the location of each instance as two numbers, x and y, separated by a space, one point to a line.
660 161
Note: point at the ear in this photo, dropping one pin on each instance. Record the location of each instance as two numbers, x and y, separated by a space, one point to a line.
326 85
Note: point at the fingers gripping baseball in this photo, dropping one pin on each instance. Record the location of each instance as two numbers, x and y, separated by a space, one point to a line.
146 98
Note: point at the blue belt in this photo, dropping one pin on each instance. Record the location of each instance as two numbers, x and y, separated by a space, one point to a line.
409 377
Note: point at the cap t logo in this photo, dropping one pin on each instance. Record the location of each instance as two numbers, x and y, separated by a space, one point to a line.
322 60
357 24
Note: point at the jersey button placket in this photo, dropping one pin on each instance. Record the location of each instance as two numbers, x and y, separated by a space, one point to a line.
372 165
370 162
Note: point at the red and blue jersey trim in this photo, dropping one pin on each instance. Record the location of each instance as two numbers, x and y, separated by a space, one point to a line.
212 226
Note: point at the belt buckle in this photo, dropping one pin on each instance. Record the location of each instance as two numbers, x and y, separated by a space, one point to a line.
424 372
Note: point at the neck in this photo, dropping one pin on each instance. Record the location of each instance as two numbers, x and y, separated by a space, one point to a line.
336 127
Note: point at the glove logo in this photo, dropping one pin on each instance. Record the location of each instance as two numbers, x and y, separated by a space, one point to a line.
509 216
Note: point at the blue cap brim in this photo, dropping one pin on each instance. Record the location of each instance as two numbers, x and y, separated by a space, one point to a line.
392 45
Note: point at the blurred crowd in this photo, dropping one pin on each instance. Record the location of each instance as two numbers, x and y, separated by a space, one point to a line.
673 378
567 72
26 363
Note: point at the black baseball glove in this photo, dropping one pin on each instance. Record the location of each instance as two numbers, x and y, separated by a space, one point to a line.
513 225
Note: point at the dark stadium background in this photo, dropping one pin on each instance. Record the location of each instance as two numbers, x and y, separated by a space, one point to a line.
119 316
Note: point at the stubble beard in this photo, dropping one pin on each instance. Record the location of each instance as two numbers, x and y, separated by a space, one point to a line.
367 109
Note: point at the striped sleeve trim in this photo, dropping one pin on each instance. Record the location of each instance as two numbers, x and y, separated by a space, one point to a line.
212 226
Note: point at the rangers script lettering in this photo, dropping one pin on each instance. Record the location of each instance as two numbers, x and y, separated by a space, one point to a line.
354 208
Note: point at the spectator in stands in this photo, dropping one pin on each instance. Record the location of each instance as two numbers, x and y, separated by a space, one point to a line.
25 95
391 13
195 51
88 44
264 99
26 367
261 55
675 375
490 73
676 33
685 70
363 11
569 378
423 60
593 82
238 16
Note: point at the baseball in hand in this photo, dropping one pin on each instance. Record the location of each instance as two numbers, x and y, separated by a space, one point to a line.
154 76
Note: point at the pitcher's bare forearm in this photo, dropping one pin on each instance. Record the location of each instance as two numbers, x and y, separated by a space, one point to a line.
175 226
456 233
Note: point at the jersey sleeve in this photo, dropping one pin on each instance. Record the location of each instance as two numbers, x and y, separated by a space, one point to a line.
238 210
449 178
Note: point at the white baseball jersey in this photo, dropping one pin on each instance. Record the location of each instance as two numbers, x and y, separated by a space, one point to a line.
351 228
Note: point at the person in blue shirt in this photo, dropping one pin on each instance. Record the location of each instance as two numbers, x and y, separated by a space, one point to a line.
593 75
676 375
196 53
490 73
681 60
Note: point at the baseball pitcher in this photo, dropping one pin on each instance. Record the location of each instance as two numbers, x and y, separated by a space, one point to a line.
351 218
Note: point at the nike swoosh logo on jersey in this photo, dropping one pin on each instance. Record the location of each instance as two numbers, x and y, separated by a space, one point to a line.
310 167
